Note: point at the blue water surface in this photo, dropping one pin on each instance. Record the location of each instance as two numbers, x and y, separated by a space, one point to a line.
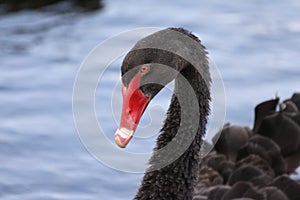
255 45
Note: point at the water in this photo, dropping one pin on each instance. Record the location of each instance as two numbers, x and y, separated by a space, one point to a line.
255 44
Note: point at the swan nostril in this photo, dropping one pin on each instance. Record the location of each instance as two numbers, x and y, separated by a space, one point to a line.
147 96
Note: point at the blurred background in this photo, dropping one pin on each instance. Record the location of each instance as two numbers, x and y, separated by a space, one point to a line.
255 45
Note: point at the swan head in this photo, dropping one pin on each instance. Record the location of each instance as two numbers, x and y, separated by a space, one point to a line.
150 65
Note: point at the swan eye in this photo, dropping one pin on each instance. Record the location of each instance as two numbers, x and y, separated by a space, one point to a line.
144 69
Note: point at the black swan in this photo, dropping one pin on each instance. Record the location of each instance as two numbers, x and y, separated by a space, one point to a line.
244 164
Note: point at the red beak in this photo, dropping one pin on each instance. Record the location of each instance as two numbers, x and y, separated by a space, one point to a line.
134 105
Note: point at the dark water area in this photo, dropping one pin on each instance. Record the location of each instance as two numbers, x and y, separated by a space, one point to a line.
255 45
7 6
